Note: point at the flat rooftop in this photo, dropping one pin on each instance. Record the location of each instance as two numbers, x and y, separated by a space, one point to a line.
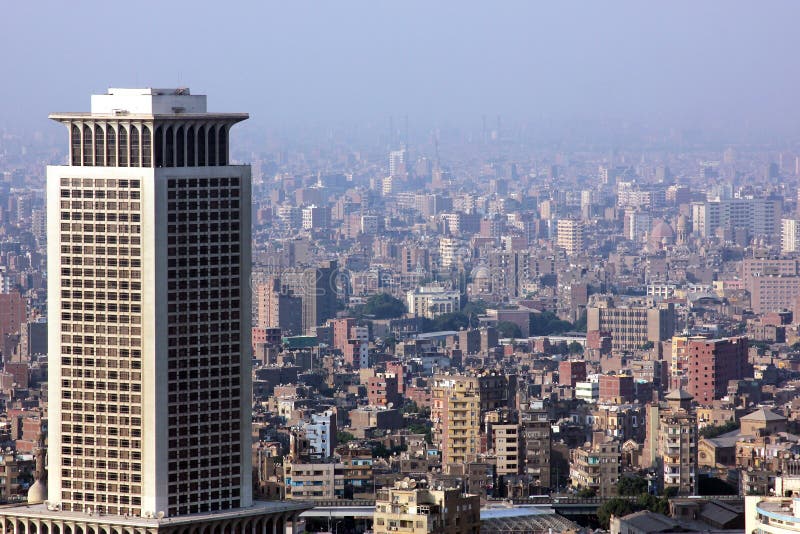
41 511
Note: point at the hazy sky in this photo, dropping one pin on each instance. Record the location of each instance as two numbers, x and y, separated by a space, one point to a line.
366 60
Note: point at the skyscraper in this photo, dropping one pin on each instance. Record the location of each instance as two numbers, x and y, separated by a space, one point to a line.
149 307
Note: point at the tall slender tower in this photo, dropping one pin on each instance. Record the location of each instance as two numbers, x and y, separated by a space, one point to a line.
149 391
149 304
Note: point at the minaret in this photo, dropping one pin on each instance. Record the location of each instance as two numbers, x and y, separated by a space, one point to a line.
37 493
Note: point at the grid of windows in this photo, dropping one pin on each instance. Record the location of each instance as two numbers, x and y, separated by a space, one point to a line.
204 355
101 315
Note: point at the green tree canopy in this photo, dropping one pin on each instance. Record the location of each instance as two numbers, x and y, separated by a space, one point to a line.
633 485
575 348
718 430
546 323
616 507
384 306
344 437
508 329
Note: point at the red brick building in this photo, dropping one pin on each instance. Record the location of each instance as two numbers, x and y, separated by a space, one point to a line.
341 332
12 313
397 369
571 372
382 390
616 388
713 363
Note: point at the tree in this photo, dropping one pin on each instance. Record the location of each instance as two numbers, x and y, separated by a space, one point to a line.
384 306
410 407
615 507
717 430
580 324
587 493
508 329
630 486
344 437
448 321
476 307
575 348
422 428
546 323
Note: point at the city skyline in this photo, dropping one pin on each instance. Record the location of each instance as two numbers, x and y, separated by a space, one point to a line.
446 267
682 65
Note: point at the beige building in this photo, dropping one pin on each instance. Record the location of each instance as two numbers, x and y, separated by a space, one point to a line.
418 510
571 235
632 325
314 481
596 466
507 445
456 417
678 445
432 301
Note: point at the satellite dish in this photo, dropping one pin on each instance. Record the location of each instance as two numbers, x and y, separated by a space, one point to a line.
160 515
390 405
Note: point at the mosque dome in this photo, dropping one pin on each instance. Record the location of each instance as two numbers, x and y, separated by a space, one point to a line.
37 492
662 230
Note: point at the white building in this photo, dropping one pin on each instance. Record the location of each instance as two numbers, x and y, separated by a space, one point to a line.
448 251
321 433
771 515
571 235
148 233
397 160
432 301
790 235
316 217
637 225
589 390
360 334
661 290
759 216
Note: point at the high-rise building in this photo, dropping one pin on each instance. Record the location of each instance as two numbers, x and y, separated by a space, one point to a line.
571 235
758 216
149 310
790 235
713 363
318 289
278 307
537 438
397 162
676 436
456 417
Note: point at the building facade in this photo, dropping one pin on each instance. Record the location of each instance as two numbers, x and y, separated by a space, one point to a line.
406 508
713 363
149 308
631 326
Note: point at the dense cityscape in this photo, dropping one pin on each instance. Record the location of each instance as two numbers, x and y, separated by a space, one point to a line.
381 268
510 341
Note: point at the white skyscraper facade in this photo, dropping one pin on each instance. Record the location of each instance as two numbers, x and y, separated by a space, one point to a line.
148 276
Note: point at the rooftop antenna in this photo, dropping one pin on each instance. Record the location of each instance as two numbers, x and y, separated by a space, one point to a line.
406 131
436 148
